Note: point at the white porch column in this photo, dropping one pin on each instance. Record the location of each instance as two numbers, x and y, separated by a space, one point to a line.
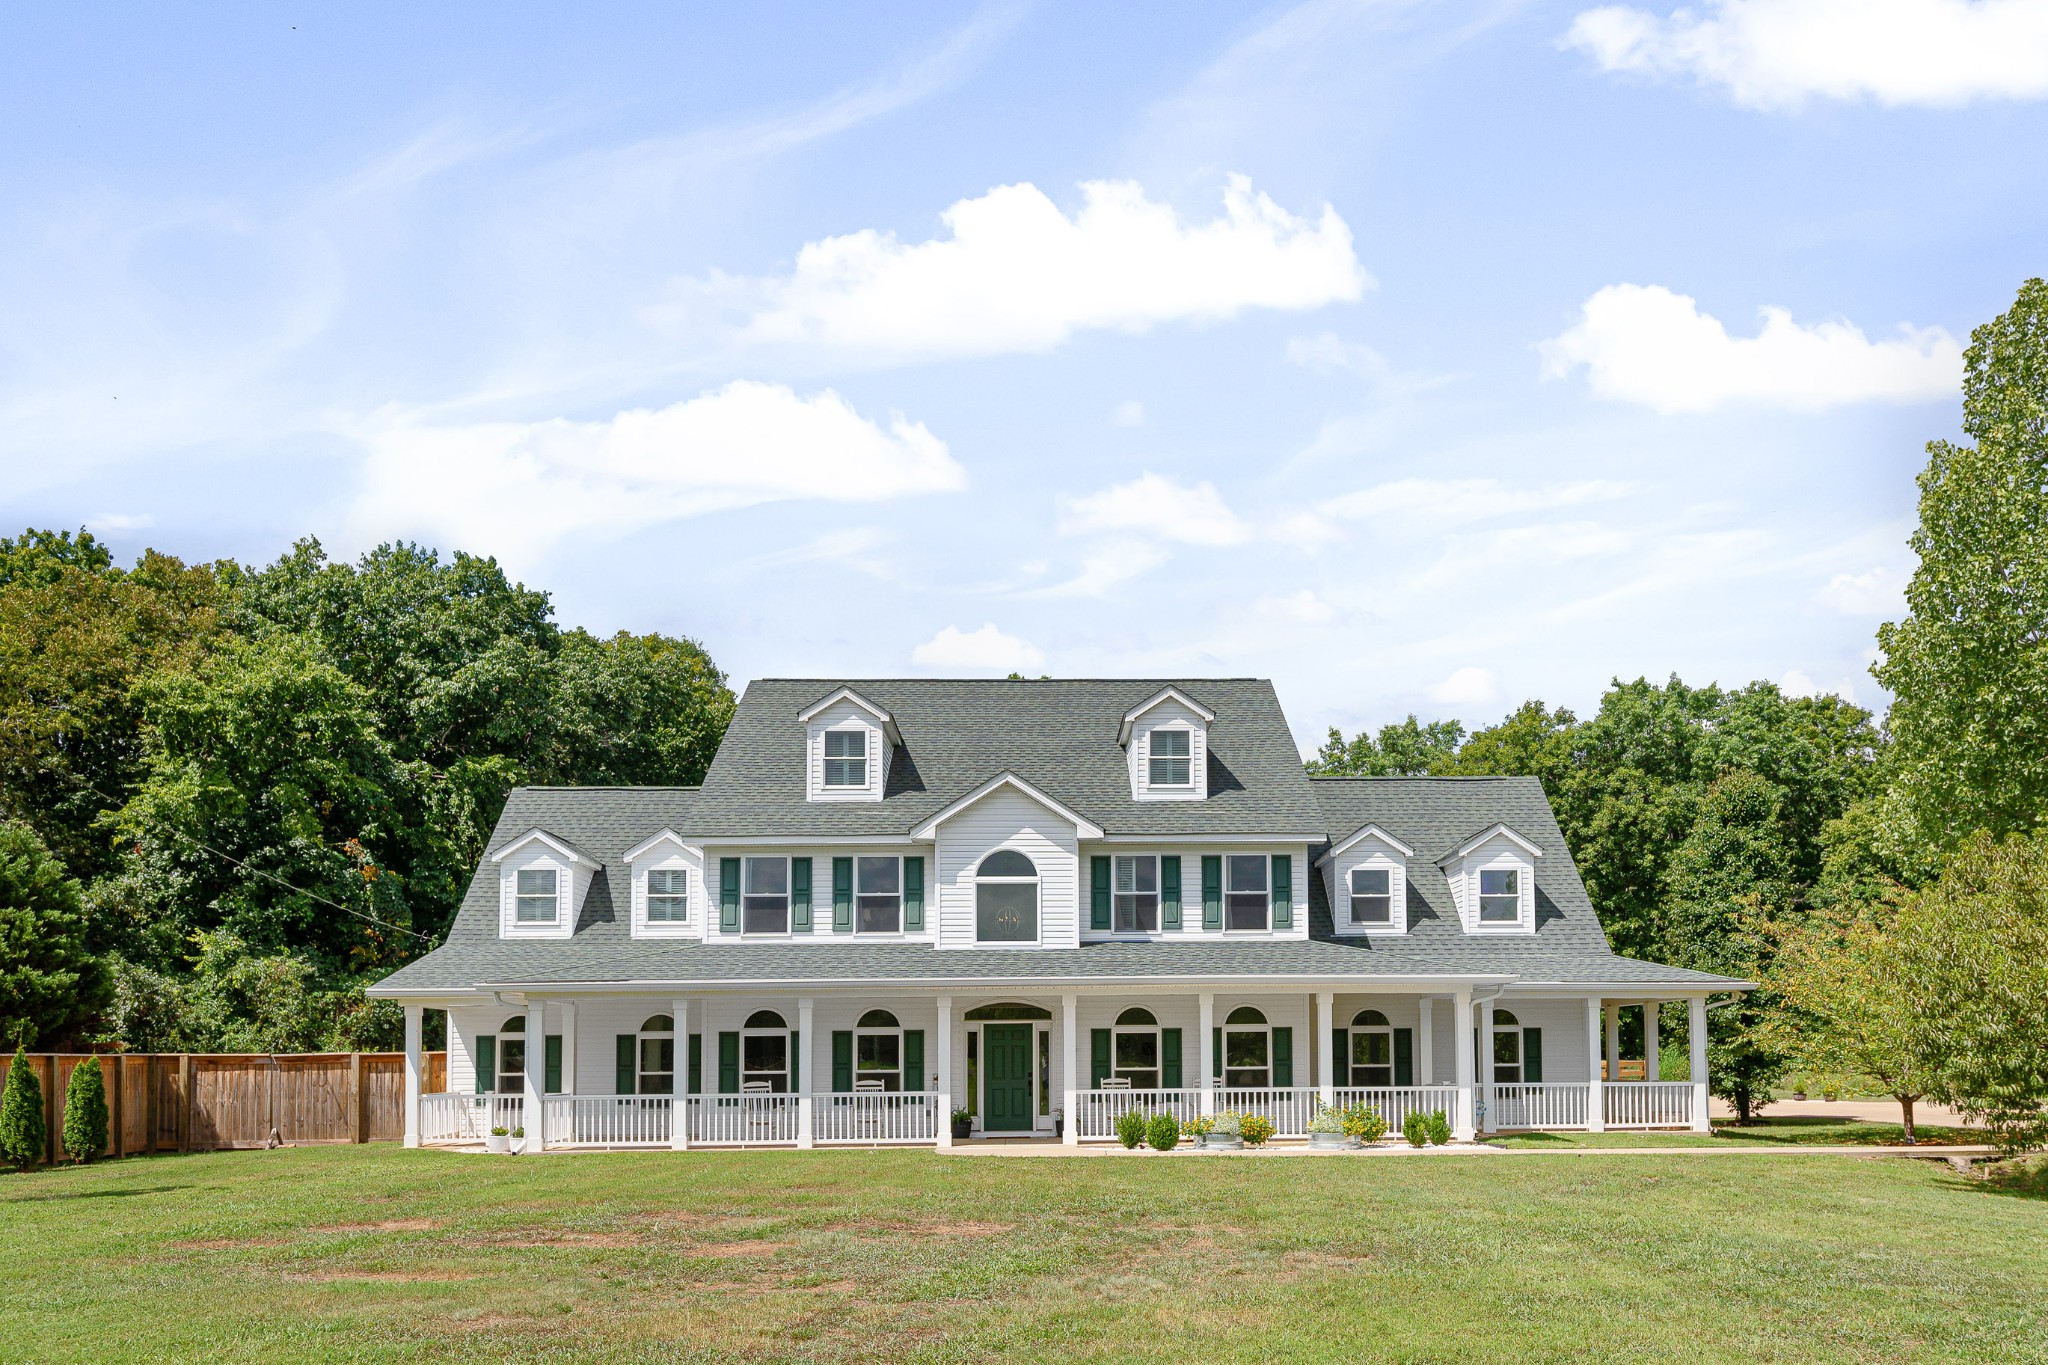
568 1009
945 1100
1491 1121
1461 1026
1205 1045
1696 1032
534 1118
1613 1041
1326 1060
679 1093
415 1016
1652 1052
1070 1058
807 1044
1425 1040
1596 1099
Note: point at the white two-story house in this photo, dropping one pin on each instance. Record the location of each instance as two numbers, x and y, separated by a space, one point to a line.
1039 903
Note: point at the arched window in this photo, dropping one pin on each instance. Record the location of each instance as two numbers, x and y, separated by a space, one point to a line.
1372 1049
1507 1048
656 1062
512 1055
764 1054
1247 1049
1134 1055
878 1052
1006 899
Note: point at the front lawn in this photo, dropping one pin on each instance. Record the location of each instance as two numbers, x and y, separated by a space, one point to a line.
375 1253
1792 1130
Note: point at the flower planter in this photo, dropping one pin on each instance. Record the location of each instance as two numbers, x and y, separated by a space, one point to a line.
497 1142
1228 1142
963 1130
1329 1141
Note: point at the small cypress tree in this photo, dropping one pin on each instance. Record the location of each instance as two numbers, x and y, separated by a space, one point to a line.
85 1112
22 1131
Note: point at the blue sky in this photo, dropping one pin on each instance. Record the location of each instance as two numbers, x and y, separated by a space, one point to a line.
1418 356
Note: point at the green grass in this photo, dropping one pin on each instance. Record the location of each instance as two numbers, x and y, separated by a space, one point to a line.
1814 1130
374 1253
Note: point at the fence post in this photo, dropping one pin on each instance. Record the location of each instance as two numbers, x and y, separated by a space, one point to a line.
357 1126
149 1103
116 1110
53 1115
184 1101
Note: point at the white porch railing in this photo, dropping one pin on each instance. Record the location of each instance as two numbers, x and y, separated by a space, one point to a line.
1549 1104
1096 1111
609 1120
743 1120
885 1116
454 1117
1290 1109
1648 1104
1396 1102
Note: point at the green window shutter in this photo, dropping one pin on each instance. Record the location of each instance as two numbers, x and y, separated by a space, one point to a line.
1098 904
1532 1055
1212 891
1169 891
696 1064
800 894
842 1061
486 1063
729 895
913 1060
1340 1055
1404 1055
728 1064
551 1061
796 1069
1283 891
842 895
1098 1057
1283 1058
913 895
626 1051
1216 1053
1169 1058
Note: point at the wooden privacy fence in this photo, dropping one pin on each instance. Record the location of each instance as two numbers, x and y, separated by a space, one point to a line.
192 1101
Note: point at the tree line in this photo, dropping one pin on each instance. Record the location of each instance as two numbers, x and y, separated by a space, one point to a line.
1885 880
231 797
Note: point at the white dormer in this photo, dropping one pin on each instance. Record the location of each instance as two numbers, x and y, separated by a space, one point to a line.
1166 740
1493 882
541 881
847 742
1367 878
669 899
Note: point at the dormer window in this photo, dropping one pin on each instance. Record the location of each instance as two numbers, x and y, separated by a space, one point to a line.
539 902
1500 895
668 895
1372 895
846 758
1172 751
1492 877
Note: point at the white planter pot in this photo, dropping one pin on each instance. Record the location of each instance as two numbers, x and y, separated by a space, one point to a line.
497 1142
1329 1141
1228 1142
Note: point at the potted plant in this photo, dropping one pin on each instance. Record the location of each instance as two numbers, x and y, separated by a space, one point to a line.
1364 1124
1130 1128
1059 1123
1326 1129
519 1136
1198 1128
1799 1087
499 1140
1226 1130
1163 1132
1256 1128
963 1125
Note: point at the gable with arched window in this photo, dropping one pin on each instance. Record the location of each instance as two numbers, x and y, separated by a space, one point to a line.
1006 898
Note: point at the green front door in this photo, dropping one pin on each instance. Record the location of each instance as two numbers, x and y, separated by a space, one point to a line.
1006 1078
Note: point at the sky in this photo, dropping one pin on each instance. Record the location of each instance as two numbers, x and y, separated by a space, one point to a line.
1421 357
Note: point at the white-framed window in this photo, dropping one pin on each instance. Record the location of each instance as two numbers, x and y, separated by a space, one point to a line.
1372 1049
1247 1049
764 896
1006 898
656 1063
1171 758
878 1051
1247 898
878 895
1507 1048
668 895
1137 894
1372 895
1500 895
511 1077
846 758
538 898
1134 1049
764 1054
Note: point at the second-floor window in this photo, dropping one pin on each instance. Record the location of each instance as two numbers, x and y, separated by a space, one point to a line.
764 902
846 758
668 895
1170 758
1246 904
1137 895
1372 900
878 895
1500 895
1006 899
537 899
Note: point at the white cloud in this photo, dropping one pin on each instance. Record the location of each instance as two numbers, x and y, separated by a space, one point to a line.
1798 683
1017 274
1876 592
1130 413
1645 344
1114 563
115 522
1772 54
1328 353
491 483
1304 606
987 649
1467 686
1469 499
1152 506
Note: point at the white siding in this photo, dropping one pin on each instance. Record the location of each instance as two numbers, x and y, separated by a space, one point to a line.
1006 818
669 853
846 715
1190 856
821 856
1169 714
